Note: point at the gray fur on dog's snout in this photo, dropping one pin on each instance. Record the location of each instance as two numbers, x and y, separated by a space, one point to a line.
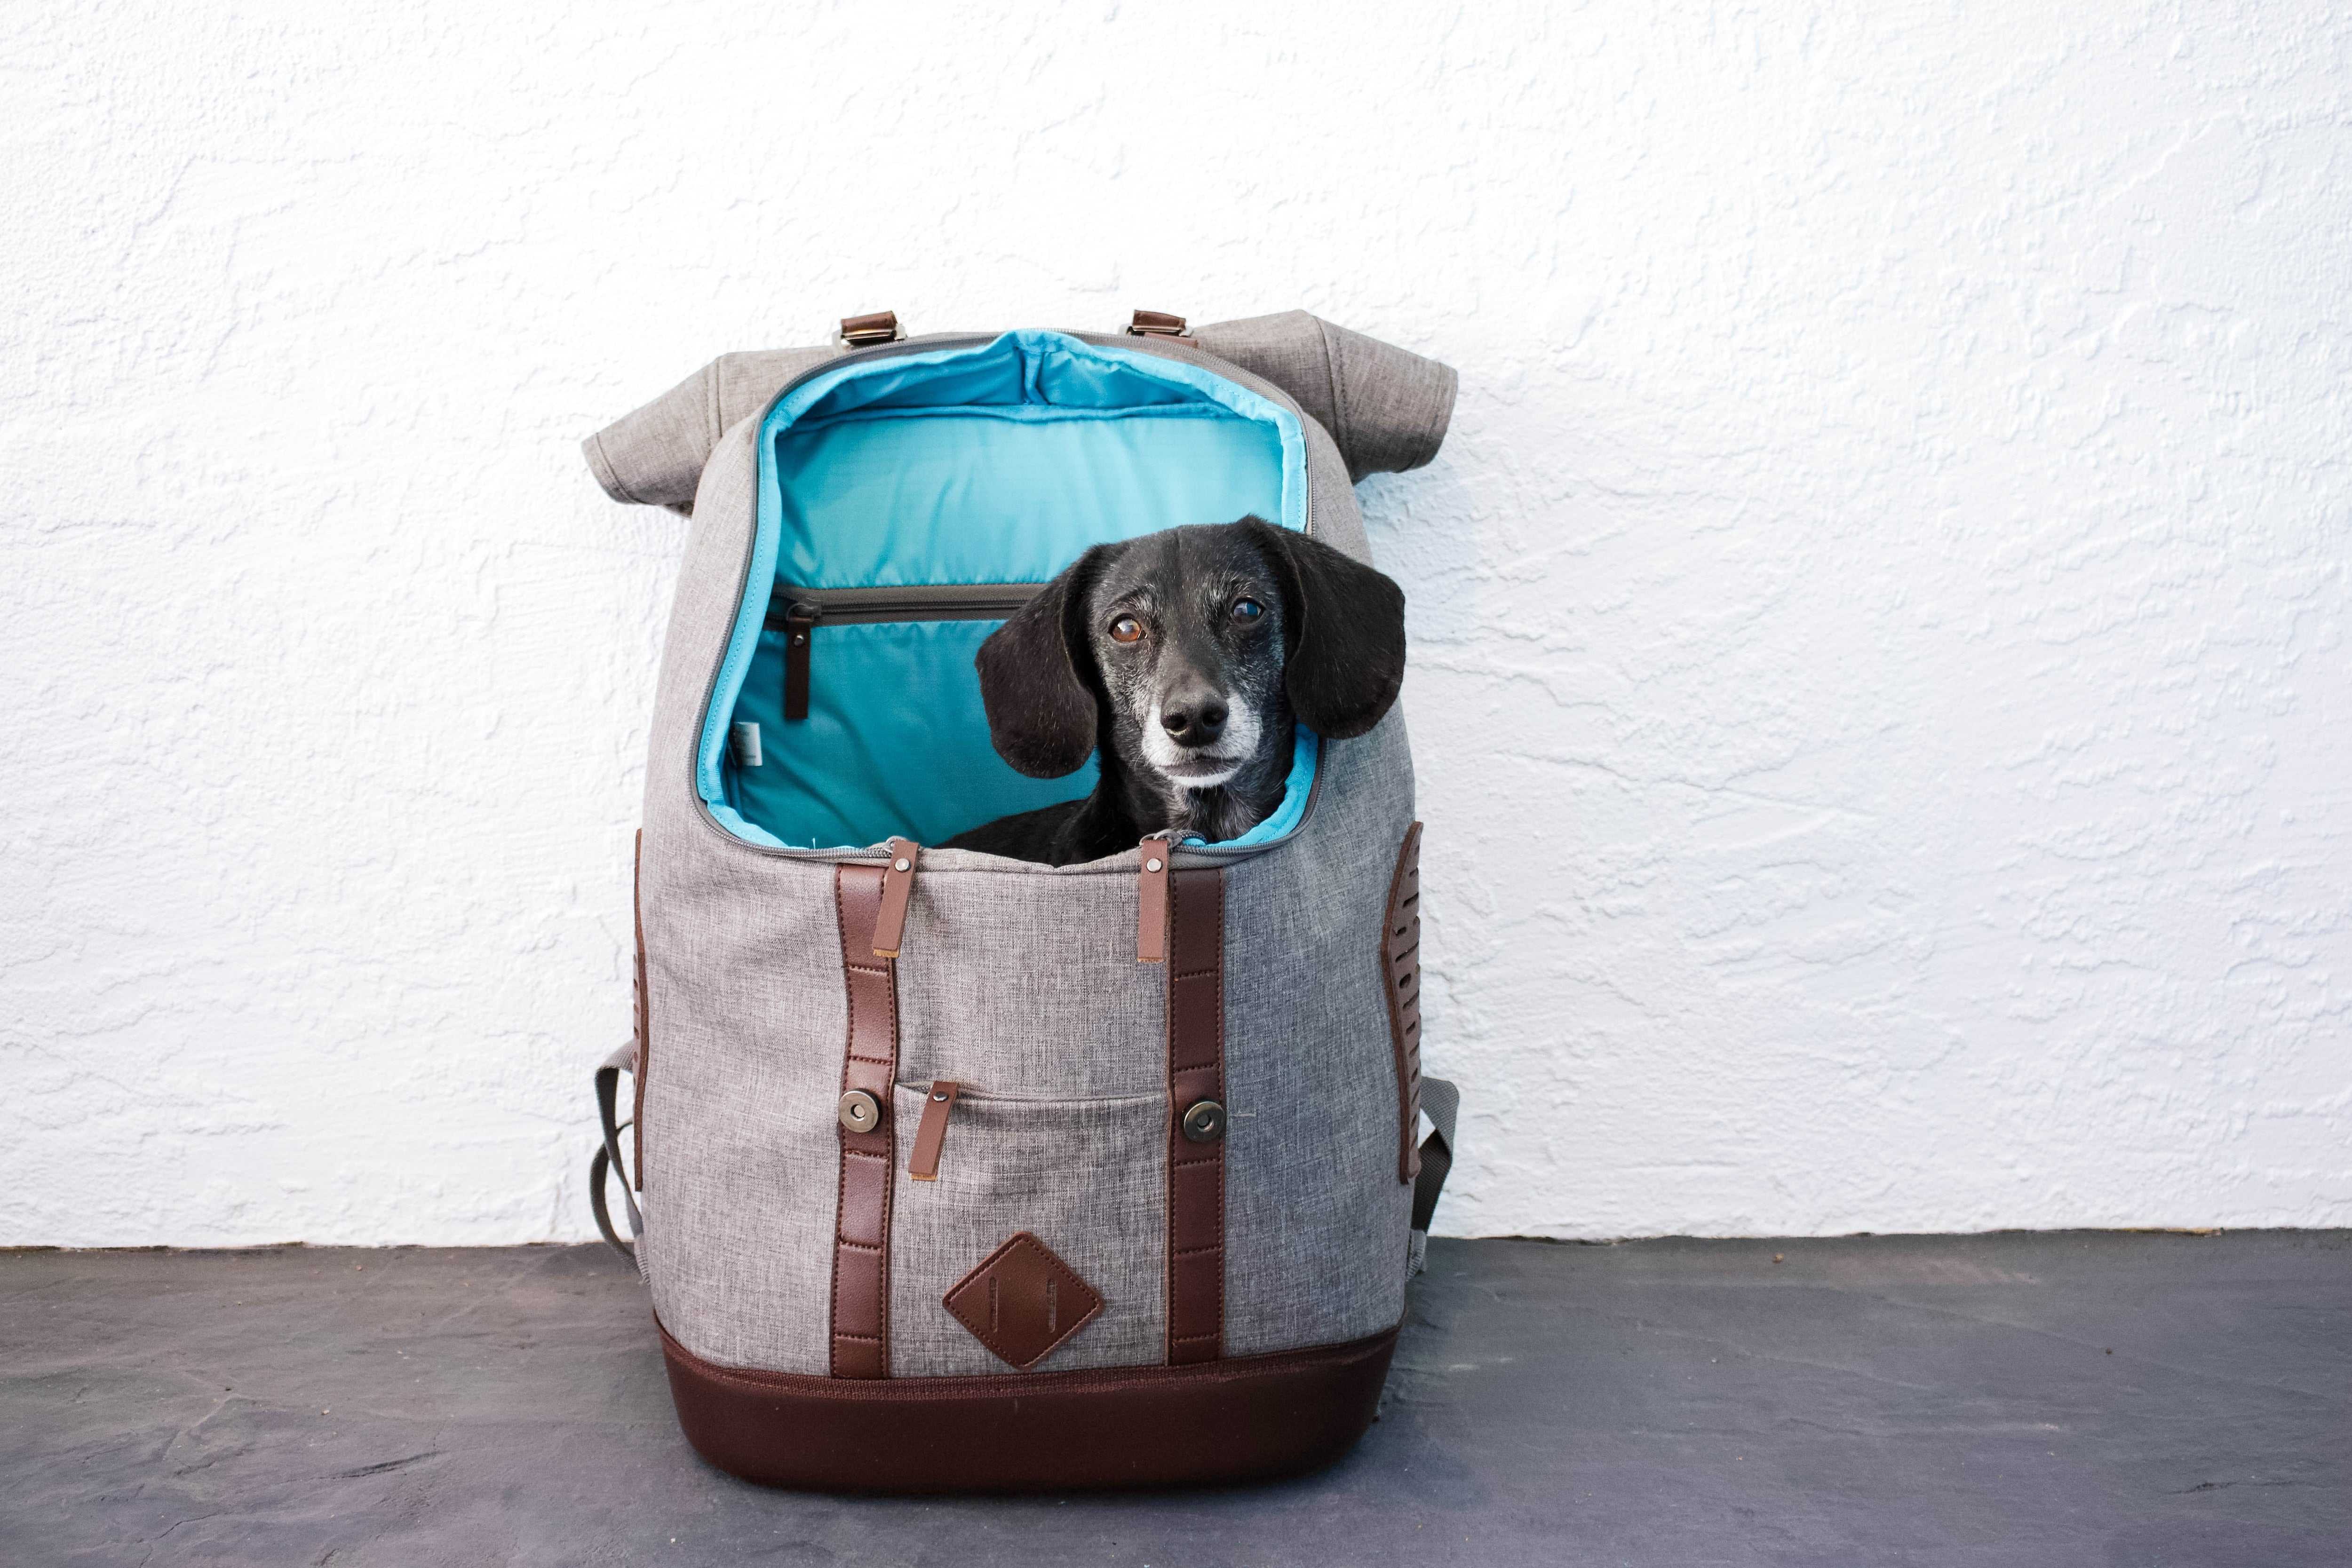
1182 586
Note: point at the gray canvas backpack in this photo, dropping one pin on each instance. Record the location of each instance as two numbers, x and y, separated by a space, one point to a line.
955 1172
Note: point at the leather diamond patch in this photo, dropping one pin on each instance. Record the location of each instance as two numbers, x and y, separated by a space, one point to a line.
1022 1302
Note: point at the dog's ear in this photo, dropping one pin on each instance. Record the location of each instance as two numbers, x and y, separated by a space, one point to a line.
1033 676
1343 637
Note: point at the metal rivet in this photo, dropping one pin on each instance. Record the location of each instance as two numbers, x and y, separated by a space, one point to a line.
799 638
1152 864
941 1098
1205 1122
898 865
860 1112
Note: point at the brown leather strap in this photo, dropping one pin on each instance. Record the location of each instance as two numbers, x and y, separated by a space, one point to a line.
861 1248
881 326
644 1019
1151 901
1196 1073
799 628
931 1131
897 887
1401 962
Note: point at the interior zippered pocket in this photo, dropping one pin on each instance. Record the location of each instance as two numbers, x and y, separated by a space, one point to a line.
797 612
863 692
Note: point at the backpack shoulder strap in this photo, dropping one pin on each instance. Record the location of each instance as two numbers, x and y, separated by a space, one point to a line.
608 1159
1441 1102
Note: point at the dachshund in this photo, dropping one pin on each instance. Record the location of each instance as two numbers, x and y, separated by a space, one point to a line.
1184 657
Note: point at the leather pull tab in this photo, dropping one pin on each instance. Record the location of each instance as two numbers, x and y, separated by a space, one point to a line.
898 886
800 627
865 331
1155 324
923 1165
1151 902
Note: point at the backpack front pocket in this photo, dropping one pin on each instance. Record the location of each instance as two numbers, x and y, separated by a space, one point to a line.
1086 1179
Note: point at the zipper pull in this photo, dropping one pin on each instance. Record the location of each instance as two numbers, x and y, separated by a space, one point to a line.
800 623
1151 898
897 887
923 1165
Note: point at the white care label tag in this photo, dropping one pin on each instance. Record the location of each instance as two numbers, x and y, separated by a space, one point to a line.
743 739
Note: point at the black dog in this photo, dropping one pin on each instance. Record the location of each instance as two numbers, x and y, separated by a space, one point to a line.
1186 655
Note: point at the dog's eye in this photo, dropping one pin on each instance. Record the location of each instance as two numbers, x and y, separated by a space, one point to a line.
1247 609
1126 628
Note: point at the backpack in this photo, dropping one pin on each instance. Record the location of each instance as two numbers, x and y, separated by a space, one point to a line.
951 1172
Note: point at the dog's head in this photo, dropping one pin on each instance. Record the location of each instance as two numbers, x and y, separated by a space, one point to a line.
1196 646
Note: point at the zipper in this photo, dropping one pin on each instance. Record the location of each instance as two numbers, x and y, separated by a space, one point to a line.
797 612
925 601
971 1095
941 1098
905 346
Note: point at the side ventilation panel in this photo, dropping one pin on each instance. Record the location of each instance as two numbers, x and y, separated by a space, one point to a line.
1400 960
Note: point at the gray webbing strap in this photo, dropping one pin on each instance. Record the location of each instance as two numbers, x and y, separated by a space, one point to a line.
608 1159
1441 1102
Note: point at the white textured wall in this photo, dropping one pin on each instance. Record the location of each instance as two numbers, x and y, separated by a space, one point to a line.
1879 670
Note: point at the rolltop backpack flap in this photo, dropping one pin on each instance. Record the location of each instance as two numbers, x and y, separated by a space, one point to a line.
1387 409
654 457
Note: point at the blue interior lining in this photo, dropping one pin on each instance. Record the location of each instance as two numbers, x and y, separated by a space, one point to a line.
986 464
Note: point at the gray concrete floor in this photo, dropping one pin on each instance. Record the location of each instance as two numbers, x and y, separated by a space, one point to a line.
2084 1398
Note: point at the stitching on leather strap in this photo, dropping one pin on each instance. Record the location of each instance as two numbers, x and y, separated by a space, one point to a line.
1196 1071
861 1315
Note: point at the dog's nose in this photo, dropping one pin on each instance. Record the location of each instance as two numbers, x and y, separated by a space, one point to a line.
1193 718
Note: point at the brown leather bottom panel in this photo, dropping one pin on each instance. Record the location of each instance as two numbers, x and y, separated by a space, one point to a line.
1244 1419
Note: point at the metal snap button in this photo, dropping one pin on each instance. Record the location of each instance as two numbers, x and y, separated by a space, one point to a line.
1151 864
860 1112
1205 1122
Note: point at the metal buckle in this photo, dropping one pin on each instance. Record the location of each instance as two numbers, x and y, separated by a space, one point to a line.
865 331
